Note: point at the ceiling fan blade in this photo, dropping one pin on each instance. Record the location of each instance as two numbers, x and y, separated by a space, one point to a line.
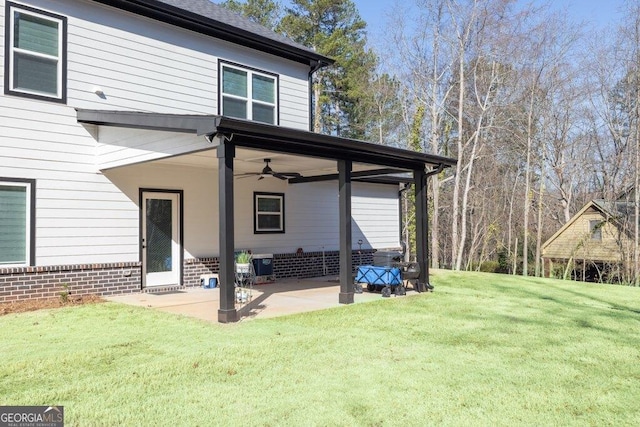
245 175
279 175
291 174
267 172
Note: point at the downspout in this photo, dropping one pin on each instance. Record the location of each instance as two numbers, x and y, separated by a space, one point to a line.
315 66
432 172
403 190
435 171
401 207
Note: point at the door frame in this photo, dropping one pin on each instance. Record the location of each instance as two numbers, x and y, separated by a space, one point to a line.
141 195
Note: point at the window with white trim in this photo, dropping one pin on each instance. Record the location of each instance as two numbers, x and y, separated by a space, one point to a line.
35 53
248 94
17 202
268 213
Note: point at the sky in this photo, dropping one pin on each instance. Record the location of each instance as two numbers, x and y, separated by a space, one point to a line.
598 12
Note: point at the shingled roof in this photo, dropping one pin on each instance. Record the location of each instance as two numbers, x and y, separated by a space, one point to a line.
209 18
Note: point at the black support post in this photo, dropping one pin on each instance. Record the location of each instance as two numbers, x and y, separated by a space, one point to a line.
225 153
422 226
346 263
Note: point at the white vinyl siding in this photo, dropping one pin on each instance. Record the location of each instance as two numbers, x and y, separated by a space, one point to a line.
81 216
87 196
145 65
312 217
36 53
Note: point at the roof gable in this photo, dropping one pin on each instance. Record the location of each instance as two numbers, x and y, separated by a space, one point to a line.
591 205
613 211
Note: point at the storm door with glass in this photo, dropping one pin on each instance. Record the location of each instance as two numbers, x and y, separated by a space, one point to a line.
160 239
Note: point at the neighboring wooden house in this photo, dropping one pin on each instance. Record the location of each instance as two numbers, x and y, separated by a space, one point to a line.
594 245
132 138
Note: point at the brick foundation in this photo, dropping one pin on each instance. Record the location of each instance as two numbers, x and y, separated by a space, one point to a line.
315 264
195 267
303 265
22 283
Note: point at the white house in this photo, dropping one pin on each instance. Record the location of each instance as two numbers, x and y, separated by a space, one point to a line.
133 135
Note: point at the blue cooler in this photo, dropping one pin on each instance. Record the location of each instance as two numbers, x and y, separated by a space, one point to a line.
263 267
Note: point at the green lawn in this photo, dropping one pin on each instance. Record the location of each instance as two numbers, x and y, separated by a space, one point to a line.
482 349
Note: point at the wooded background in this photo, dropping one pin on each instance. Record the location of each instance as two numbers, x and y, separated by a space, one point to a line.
541 113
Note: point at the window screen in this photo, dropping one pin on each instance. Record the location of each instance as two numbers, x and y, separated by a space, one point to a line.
268 213
36 53
15 213
248 94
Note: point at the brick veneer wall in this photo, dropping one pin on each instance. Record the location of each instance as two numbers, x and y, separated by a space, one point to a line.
315 264
22 283
195 267
302 266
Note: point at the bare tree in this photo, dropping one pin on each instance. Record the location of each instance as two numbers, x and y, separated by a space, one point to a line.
426 63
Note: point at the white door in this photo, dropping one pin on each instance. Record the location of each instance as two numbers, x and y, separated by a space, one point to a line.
160 239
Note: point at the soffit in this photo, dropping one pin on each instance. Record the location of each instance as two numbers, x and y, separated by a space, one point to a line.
268 138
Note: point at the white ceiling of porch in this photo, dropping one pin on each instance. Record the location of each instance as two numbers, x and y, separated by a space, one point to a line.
248 160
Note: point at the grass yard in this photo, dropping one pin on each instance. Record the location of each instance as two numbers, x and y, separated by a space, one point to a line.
482 349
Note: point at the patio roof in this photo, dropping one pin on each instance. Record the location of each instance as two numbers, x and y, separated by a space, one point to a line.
243 133
226 134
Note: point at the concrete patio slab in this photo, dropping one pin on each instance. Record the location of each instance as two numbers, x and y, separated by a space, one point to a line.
286 296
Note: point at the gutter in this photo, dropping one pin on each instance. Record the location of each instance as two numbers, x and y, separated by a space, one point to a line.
435 171
405 188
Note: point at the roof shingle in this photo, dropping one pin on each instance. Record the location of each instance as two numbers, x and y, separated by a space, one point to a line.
219 13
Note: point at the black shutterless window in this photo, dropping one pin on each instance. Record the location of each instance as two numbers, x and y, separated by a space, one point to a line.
35 53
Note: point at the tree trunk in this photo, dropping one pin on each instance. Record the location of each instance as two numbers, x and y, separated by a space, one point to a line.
636 193
458 176
512 254
435 180
515 257
317 114
527 188
539 229
465 198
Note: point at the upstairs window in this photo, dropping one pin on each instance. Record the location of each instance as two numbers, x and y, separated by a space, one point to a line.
17 204
35 53
268 213
249 94
595 227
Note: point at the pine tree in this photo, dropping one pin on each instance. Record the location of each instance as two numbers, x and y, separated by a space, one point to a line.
263 12
342 98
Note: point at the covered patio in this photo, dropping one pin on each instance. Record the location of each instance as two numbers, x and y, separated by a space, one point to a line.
284 297
326 158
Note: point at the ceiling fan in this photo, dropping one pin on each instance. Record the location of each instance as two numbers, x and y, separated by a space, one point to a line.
267 171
